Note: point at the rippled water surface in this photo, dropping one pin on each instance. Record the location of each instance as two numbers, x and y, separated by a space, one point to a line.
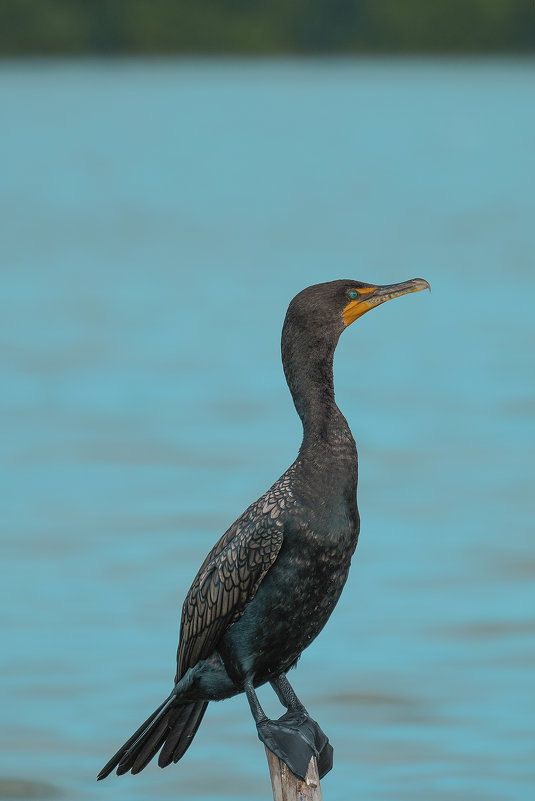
156 218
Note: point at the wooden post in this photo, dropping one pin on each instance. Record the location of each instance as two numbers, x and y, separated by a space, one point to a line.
287 787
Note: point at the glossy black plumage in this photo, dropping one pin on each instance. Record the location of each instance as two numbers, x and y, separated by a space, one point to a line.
269 585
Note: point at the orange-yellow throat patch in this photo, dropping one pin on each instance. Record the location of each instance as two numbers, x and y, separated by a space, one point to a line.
356 308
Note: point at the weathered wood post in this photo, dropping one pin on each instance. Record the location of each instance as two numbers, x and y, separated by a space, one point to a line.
287 787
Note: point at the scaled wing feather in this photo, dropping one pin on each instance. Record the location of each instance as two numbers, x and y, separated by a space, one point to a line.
224 586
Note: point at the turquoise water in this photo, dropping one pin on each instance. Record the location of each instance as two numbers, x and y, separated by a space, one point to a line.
156 218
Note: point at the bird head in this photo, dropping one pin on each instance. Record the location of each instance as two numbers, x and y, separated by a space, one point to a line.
336 304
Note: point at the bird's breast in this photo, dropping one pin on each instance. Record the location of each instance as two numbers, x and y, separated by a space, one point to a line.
294 601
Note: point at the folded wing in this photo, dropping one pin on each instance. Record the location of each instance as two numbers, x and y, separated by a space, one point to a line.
225 584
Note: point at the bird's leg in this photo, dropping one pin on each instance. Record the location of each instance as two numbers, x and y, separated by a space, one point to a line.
258 713
297 714
291 738
286 694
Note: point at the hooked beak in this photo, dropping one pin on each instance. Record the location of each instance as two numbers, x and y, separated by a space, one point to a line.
372 296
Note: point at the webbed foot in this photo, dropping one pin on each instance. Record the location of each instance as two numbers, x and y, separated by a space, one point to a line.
296 738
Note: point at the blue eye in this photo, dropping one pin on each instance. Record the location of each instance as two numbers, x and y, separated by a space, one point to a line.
353 294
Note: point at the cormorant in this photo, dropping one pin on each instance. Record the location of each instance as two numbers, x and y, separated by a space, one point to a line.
268 587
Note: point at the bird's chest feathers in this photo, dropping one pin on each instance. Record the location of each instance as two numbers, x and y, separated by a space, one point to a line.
326 540
326 519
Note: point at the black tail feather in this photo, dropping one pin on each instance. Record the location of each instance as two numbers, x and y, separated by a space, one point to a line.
183 732
159 727
149 748
190 730
172 725
116 758
166 754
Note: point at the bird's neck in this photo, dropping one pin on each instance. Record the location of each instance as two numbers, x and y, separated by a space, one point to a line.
308 367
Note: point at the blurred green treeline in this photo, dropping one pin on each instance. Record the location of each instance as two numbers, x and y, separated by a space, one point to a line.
124 27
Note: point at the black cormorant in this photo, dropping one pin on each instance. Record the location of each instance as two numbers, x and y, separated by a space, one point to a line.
268 587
